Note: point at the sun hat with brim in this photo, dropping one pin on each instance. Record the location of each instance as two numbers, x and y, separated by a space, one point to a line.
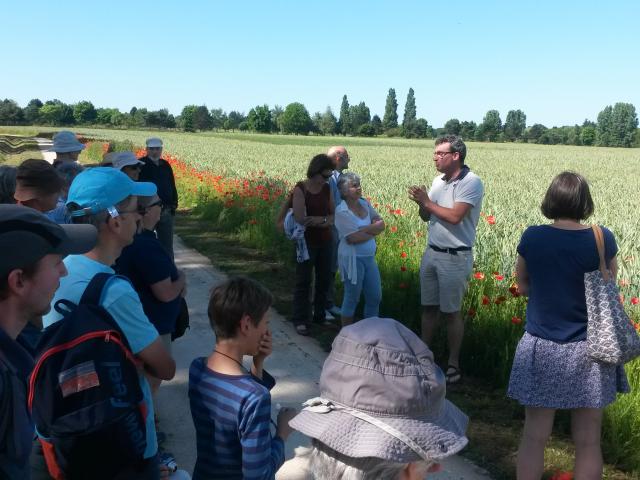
101 189
124 159
382 396
154 142
26 236
66 141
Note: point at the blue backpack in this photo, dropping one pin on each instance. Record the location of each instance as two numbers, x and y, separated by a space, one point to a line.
84 392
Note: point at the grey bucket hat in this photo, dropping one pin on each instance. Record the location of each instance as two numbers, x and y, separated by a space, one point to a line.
382 396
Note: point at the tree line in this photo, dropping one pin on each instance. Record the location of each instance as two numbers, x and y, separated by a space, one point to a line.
616 125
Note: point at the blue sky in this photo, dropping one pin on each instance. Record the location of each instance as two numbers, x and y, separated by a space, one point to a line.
558 61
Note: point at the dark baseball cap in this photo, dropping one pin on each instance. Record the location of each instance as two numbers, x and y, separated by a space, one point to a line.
26 236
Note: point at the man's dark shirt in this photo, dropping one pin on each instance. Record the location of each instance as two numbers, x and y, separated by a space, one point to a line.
16 427
162 176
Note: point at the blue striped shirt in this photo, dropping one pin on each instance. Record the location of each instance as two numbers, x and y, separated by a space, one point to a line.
232 415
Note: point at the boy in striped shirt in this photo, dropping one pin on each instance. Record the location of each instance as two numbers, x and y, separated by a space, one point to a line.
230 405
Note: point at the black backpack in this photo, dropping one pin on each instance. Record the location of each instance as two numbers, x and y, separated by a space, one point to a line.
84 393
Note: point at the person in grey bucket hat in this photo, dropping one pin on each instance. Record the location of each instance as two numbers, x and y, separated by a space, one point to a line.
382 411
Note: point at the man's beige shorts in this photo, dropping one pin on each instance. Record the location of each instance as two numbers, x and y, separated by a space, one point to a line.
444 278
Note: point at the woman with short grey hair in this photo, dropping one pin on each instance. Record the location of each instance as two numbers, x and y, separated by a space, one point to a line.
357 224
382 412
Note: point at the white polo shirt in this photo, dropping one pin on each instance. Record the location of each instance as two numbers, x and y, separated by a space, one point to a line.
466 188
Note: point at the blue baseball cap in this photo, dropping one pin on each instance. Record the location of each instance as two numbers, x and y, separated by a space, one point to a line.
101 188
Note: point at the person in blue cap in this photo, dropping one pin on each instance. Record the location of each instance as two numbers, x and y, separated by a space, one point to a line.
30 272
108 199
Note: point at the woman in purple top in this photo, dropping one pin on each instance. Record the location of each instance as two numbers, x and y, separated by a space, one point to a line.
551 369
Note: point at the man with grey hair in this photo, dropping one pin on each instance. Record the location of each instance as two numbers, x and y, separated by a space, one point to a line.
340 158
157 170
382 411
452 210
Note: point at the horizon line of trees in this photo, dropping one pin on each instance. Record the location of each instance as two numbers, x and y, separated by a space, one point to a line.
616 126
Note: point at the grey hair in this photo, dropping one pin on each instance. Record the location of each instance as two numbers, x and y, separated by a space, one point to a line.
7 183
457 145
329 464
96 219
346 180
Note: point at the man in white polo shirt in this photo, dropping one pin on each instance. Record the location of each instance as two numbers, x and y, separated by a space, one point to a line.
452 210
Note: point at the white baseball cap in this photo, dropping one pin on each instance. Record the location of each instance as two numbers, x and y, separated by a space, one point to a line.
124 159
154 142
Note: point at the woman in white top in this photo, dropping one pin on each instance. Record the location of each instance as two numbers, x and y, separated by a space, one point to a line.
357 224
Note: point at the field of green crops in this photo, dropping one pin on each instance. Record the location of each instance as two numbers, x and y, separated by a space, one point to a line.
238 180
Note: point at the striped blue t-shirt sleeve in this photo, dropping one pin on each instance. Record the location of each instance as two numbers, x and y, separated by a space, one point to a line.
262 455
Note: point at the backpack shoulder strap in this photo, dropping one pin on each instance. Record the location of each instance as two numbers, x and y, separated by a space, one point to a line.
93 292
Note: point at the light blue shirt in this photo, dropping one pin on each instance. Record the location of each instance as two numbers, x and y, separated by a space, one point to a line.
122 302
333 185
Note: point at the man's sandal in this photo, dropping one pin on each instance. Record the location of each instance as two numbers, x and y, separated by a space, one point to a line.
302 329
453 375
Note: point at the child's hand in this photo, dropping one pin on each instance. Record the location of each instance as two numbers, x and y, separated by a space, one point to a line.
266 347
283 429
263 352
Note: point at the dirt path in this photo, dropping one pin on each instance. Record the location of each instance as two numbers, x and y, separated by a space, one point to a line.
296 363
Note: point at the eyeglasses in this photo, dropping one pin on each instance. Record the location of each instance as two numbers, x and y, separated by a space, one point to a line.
441 154
143 210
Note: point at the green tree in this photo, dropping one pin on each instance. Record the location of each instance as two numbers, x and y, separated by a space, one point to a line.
234 120
366 130
202 118
409 112
535 133
217 118
515 125
32 111
453 126
390 118
84 112
358 115
468 130
421 128
295 119
276 113
588 133
259 119
624 122
186 119
344 122
491 126
603 132
55 112
316 120
328 123
376 123
10 113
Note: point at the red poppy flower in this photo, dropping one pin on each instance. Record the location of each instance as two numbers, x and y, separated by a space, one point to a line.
500 300
485 300
403 268
394 229
516 320
491 220
513 289
478 276
562 476
403 255
497 276
398 212
635 300
471 312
